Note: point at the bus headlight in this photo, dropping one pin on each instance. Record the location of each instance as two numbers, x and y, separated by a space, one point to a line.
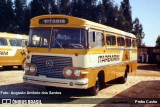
68 72
26 68
77 72
32 68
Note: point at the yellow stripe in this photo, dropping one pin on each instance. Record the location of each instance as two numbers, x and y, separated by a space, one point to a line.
72 51
57 51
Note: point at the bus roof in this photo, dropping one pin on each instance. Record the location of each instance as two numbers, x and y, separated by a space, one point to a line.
11 35
75 22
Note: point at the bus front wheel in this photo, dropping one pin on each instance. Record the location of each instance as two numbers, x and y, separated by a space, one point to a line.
95 89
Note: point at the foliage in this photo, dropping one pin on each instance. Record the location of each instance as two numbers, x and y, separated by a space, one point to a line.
15 16
125 8
158 41
138 31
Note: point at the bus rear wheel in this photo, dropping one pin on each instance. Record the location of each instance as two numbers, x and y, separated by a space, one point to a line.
123 79
95 89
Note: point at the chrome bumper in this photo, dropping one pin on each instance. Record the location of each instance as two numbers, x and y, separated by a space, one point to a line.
64 83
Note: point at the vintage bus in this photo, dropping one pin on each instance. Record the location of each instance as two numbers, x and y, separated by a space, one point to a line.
12 50
71 52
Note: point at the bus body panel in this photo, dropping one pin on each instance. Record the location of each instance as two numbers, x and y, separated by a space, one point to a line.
12 55
111 61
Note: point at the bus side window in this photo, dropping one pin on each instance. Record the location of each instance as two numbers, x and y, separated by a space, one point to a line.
96 39
128 42
3 42
133 43
111 40
120 41
99 39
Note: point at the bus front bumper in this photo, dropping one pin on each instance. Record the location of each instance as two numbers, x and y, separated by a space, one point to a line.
64 83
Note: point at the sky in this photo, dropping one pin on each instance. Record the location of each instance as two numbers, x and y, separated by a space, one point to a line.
148 12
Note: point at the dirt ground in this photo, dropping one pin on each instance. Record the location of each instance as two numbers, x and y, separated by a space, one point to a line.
145 83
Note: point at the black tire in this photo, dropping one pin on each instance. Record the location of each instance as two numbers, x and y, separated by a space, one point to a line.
21 67
123 79
8 67
95 89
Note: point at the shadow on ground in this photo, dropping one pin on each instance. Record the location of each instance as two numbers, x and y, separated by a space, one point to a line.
149 67
56 95
9 69
142 90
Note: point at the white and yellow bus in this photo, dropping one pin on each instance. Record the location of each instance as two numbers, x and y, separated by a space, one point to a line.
71 52
12 53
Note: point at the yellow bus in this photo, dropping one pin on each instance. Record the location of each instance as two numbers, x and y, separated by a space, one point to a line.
71 52
12 53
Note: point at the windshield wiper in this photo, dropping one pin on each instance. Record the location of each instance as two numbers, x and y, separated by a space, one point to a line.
58 43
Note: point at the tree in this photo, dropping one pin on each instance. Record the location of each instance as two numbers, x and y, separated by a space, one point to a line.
89 10
125 8
2 15
77 8
110 12
64 7
119 19
20 6
38 7
158 41
9 16
27 17
100 13
16 18
53 7
138 31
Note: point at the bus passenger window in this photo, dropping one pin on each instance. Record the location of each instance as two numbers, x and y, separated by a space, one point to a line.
128 42
120 41
111 40
133 43
96 39
3 42
16 42
99 39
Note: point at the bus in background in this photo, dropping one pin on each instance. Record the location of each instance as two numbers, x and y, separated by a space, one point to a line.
71 52
12 50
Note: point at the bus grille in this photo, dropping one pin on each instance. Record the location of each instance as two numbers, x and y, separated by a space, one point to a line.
51 66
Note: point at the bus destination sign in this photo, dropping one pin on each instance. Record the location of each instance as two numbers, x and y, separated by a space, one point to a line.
53 21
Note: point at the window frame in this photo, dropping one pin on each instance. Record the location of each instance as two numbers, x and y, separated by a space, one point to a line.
5 42
124 44
111 43
135 43
16 42
130 44
93 43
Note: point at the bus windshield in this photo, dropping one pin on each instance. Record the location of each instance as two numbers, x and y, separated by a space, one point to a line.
57 38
